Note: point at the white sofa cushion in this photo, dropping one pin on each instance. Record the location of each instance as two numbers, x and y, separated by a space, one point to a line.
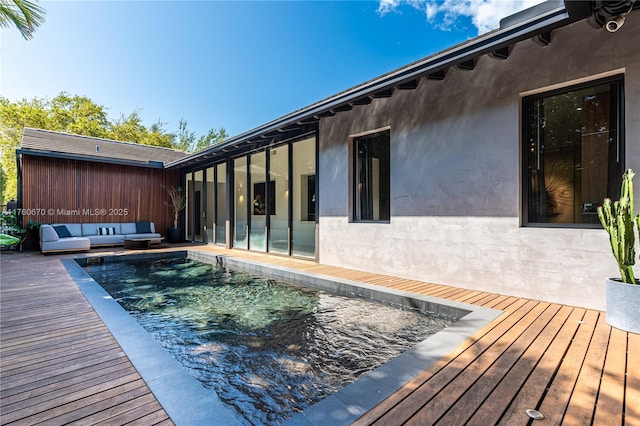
106 240
66 244
47 233
128 228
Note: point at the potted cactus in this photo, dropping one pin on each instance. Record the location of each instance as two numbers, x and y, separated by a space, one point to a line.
622 294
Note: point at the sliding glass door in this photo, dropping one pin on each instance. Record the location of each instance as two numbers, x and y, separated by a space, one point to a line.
264 201
304 198
221 204
240 194
260 203
279 200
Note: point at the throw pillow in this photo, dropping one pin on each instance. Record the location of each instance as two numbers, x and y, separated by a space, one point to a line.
143 227
62 231
106 231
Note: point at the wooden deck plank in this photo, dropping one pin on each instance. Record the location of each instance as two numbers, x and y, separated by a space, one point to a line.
54 390
474 368
122 413
34 383
58 359
493 407
533 391
401 405
557 397
610 407
477 392
51 400
78 409
50 352
582 403
632 388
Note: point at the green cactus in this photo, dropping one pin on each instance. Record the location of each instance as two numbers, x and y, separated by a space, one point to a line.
618 220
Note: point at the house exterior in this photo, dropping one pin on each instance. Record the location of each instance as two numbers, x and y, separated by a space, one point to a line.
65 178
479 167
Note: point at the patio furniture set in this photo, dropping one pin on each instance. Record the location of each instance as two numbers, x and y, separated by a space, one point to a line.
84 236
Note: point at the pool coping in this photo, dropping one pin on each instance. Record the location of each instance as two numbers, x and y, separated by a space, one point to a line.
188 402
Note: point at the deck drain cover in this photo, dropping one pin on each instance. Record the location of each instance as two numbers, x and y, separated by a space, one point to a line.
534 414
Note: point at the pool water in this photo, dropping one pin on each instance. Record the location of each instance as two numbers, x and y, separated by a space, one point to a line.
268 349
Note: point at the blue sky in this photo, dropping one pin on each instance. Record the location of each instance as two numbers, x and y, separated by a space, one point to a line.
235 64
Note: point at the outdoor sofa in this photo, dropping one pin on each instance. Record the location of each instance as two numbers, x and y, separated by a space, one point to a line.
84 236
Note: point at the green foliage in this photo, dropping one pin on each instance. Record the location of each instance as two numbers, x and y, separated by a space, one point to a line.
81 116
213 137
617 218
3 184
9 226
25 15
187 140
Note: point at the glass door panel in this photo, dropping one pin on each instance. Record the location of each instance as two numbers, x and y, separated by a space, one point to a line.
304 198
198 206
279 197
188 217
221 204
259 206
240 195
210 216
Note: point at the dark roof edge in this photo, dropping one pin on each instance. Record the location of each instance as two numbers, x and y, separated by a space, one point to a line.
107 160
73 135
541 18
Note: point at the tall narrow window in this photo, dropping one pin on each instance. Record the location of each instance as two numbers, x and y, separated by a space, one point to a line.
221 203
371 177
573 152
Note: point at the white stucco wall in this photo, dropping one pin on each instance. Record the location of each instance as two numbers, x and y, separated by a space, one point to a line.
456 176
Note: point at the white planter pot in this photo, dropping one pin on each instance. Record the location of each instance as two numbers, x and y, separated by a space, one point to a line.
623 305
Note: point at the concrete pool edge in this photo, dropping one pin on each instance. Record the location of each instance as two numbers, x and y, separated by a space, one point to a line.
188 402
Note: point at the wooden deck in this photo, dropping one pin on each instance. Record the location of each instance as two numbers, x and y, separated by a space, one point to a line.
62 365
58 362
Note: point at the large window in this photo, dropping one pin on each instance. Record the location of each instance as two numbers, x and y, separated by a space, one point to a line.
371 177
572 152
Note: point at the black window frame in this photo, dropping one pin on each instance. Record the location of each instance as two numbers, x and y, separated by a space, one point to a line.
615 176
355 179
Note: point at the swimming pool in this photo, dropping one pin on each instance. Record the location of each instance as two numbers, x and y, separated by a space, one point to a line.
188 402
268 349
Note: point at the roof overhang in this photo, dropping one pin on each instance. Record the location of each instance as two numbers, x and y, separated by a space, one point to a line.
67 156
536 22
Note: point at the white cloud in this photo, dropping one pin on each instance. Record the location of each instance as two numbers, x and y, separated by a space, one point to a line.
485 14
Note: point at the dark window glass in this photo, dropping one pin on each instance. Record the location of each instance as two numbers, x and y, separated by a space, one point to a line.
572 153
372 177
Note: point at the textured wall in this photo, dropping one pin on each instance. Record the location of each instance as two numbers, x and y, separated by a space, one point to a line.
456 176
71 191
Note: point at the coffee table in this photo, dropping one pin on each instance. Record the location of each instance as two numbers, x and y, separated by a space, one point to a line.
141 243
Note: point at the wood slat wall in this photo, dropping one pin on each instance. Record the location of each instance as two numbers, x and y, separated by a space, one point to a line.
72 191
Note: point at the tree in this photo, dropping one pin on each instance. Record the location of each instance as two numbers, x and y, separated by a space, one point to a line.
157 136
25 15
186 139
81 116
14 117
78 115
213 137
3 184
128 129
